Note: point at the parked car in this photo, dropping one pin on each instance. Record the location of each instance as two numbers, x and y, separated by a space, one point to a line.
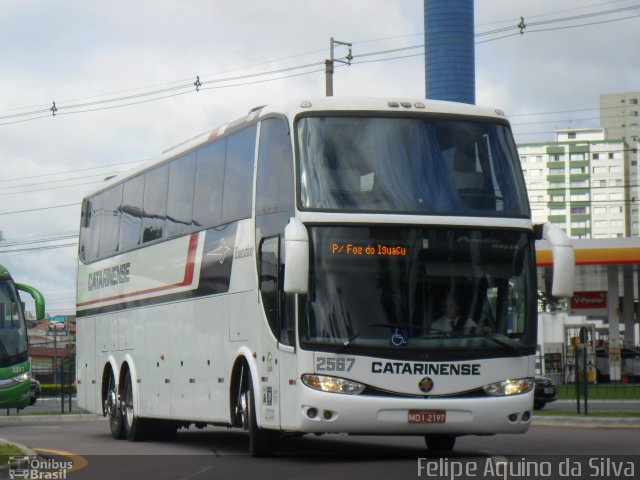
545 392
35 391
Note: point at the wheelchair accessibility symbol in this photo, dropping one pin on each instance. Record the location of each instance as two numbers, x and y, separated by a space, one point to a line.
399 337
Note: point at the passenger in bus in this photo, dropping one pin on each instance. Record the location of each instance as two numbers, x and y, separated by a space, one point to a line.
451 321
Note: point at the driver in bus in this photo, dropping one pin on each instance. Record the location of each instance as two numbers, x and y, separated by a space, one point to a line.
451 320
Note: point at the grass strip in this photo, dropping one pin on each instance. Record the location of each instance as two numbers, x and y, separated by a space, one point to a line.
602 392
8 450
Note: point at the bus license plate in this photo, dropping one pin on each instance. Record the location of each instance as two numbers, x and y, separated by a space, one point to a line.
427 416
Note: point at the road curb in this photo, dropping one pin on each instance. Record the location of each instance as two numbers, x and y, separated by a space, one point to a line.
50 418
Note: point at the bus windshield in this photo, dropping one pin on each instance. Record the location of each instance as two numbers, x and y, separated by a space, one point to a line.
377 288
427 166
13 333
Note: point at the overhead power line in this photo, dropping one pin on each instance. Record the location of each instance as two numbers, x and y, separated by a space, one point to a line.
15 251
44 238
38 243
65 172
40 208
525 26
184 87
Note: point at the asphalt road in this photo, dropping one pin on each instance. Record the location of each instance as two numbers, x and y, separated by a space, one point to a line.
218 453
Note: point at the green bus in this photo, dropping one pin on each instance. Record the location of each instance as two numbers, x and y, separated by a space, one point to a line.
15 372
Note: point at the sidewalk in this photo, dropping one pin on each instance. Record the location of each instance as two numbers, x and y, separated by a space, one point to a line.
50 418
585 421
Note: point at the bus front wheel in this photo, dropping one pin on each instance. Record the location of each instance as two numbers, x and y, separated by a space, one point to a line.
440 442
262 442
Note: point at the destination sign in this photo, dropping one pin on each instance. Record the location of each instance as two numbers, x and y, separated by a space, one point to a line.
348 249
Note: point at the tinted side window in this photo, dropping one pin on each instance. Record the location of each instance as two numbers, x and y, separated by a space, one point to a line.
90 235
154 205
207 199
274 186
269 280
180 197
110 228
238 177
131 217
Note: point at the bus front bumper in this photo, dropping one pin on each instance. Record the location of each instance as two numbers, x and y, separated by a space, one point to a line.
320 412
14 392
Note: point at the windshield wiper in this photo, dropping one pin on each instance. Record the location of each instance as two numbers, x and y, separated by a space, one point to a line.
406 326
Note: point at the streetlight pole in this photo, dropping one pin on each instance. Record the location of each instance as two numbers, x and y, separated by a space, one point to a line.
328 64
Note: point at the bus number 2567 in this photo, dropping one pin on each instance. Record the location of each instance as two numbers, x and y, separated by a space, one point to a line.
331 364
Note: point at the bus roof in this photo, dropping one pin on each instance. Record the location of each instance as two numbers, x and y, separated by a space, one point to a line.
371 104
322 104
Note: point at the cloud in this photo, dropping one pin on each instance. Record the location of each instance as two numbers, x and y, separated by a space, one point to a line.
556 70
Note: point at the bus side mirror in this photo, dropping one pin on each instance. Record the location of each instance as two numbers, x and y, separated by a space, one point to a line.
37 298
564 262
296 257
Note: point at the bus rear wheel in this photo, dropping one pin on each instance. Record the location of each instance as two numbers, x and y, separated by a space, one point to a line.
262 442
135 428
110 408
440 442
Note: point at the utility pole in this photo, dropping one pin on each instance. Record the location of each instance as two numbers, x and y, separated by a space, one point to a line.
328 64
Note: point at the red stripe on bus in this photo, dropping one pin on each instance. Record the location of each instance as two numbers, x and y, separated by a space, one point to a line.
186 280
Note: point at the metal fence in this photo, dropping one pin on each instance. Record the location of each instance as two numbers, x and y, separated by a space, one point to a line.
57 388
54 382
563 369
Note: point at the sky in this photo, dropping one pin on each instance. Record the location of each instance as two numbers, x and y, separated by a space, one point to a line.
122 74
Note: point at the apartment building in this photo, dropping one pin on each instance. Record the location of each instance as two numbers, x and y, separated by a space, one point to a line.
620 117
580 183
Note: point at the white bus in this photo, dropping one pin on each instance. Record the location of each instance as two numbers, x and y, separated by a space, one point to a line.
290 272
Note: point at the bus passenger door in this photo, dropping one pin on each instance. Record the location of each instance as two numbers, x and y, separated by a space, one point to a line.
288 365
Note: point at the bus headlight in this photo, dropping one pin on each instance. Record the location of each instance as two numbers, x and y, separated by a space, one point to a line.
510 387
13 381
332 384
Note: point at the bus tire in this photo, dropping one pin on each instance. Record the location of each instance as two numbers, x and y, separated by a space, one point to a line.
135 428
262 442
111 408
440 442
